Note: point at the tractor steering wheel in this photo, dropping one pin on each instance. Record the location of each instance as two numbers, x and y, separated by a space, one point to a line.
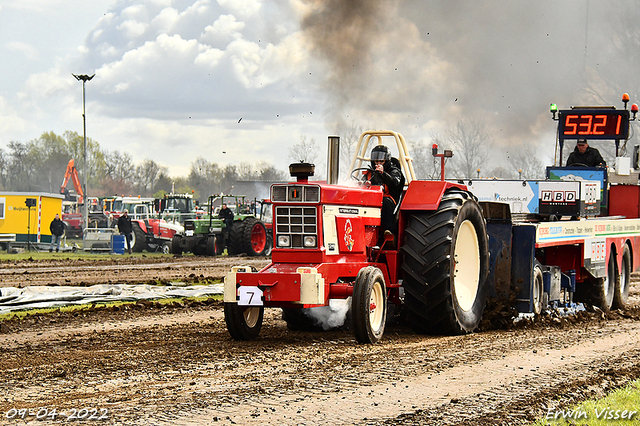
579 165
362 178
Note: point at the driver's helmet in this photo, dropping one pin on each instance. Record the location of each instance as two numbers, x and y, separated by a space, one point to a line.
379 153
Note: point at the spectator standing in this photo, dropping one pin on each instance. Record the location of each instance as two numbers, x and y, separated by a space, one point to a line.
57 231
227 216
124 226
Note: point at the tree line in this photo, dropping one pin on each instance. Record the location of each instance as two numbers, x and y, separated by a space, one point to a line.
39 165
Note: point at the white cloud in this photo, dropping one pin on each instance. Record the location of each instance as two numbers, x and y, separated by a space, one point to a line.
133 28
12 122
165 21
29 51
209 57
244 8
223 30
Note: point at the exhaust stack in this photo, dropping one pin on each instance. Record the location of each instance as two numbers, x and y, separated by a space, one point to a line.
302 171
333 160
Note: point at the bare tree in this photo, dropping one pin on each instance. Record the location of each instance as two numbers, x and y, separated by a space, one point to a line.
425 165
471 147
4 165
524 163
349 134
305 151
147 174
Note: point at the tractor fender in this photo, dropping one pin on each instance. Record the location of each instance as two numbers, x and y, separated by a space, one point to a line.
426 195
141 224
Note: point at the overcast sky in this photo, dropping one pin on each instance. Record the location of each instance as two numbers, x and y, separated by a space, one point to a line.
241 80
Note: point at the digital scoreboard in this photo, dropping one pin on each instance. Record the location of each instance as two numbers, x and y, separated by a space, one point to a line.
597 123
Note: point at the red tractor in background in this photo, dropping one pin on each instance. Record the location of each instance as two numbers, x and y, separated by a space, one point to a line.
148 232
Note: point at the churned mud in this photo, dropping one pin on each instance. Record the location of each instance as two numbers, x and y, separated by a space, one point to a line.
148 363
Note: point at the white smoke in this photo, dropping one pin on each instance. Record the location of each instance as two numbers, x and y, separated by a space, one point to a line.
331 316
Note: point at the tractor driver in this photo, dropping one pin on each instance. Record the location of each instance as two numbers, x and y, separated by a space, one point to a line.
386 173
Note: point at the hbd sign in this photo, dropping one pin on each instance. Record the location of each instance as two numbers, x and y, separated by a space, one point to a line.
563 197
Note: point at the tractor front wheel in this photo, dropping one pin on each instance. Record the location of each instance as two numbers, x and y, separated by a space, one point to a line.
369 305
445 266
243 322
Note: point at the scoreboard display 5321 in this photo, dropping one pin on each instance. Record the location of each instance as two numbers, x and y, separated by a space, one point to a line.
597 123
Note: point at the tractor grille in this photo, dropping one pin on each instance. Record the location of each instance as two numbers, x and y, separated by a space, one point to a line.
295 193
297 223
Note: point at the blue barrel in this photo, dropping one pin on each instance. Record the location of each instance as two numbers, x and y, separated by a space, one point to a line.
117 244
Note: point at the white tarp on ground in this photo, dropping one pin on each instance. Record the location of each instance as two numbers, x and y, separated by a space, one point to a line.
15 299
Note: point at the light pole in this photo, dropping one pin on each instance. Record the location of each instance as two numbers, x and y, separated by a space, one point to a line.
85 220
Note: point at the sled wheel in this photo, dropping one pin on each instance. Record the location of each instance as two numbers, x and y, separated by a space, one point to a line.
621 292
537 289
254 236
138 238
369 305
212 241
234 244
243 323
445 266
602 289
166 248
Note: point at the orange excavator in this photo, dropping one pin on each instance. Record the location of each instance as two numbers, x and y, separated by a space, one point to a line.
72 173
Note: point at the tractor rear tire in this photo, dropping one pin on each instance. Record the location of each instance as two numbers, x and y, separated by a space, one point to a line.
211 245
138 238
369 305
254 237
621 292
236 234
175 244
446 261
243 322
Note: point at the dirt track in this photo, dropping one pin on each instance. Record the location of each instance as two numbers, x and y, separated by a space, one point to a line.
177 365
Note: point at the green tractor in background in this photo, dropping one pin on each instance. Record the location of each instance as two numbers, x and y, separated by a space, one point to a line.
208 235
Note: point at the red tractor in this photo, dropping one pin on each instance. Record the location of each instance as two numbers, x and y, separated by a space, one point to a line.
326 247
148 232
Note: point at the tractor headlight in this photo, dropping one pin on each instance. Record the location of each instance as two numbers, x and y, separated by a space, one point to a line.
283 241
310 241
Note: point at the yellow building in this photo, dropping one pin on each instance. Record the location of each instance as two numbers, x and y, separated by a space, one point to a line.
17 217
